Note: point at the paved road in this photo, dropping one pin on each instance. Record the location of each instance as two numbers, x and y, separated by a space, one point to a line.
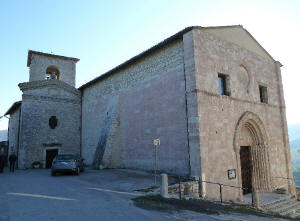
31 195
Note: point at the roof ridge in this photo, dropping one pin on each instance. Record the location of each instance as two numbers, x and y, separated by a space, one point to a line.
30 52
170 39
176 36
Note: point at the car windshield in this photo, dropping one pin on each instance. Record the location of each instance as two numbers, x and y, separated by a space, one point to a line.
65 157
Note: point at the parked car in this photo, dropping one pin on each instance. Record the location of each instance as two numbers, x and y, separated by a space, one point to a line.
67 162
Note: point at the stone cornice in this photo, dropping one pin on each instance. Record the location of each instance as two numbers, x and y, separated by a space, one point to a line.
233 98
44 83
45 98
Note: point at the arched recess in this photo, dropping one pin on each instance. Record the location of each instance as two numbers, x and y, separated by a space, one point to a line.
250 132
52 72
247 70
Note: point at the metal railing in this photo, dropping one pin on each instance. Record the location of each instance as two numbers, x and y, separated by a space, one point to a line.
287 178
221 185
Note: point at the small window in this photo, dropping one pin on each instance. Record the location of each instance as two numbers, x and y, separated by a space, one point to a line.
224 88
263 94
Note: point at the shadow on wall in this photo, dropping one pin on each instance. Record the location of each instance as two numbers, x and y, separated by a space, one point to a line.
105 132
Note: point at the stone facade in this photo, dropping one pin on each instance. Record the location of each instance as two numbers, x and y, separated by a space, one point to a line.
171 92
39 62
30 133
219 116
13 134
151 100
39 103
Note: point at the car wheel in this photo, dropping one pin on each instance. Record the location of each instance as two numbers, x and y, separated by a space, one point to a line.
53 173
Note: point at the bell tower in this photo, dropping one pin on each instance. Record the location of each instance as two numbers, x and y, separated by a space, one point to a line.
43 66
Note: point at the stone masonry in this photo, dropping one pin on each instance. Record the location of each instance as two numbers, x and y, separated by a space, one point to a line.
14 128
152 105
30 134
38 63
38 105
172 91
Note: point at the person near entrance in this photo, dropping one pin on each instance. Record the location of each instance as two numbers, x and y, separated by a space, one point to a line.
2 160
12 161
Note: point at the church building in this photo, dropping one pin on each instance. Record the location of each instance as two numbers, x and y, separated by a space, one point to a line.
206 102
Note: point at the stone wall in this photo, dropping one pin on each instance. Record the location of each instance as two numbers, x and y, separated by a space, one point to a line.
219 115
190 188
151 94
298 192
36 134
13 131
39 64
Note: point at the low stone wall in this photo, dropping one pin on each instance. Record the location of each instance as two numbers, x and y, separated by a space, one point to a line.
190 188
298 192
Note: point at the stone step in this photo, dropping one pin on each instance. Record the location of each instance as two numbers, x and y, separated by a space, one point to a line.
276 201
291 211
295 215
280 204
285 207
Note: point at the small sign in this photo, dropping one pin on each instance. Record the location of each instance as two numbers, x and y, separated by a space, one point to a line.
156 142
232 174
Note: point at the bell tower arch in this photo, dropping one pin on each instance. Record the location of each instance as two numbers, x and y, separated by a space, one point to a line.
43 66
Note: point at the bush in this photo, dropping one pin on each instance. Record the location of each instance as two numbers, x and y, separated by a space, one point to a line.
36 164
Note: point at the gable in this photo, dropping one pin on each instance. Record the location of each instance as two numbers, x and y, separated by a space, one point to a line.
239 36
50 88
13 108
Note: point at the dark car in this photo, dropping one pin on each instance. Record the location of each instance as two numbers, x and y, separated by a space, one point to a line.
67 162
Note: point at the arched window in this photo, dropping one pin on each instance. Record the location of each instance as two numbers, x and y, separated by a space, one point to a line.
52 72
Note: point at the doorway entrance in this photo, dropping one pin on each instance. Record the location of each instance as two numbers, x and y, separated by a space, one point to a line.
246 169
50 154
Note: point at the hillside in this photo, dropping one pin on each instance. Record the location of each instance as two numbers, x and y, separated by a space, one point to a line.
294 137
295 144
294 132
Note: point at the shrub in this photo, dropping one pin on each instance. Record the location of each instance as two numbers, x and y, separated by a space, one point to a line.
36 164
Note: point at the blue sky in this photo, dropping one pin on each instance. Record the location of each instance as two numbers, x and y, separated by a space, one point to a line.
103 34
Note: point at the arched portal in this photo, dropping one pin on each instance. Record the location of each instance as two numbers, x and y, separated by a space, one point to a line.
251 149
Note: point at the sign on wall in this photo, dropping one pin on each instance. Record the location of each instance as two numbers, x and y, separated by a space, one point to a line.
156 142
232 174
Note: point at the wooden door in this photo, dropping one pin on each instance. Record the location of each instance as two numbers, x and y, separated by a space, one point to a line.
246 169
50 154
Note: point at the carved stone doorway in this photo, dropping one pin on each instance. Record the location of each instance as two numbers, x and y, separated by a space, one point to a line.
251 148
